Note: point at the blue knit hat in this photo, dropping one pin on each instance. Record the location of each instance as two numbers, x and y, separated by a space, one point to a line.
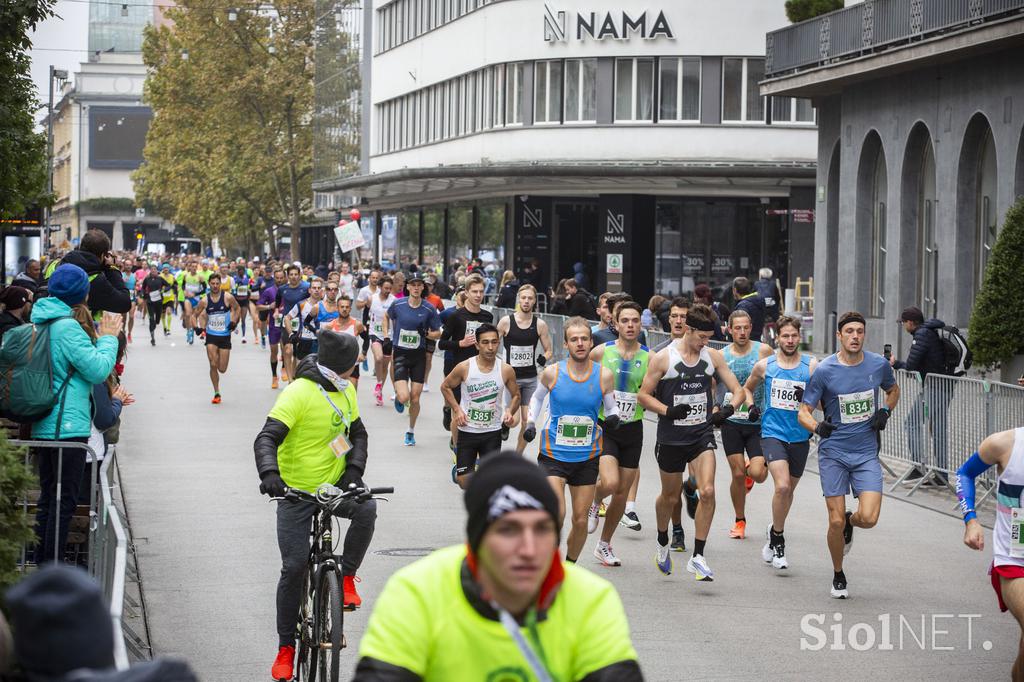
70 284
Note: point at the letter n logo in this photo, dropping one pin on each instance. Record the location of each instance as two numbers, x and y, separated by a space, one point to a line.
554 25
616 223
533 217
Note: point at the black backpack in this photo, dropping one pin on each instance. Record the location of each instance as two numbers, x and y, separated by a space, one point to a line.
956 354
26 374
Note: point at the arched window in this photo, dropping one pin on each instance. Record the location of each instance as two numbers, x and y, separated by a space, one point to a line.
928 272
879 189
987 223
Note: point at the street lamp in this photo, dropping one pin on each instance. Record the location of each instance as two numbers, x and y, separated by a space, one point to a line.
62 76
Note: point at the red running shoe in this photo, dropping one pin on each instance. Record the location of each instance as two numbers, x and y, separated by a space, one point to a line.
284 665
350 598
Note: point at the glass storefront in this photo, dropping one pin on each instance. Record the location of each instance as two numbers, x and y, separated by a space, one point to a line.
408 239
460 237
490 238
388 240
433 240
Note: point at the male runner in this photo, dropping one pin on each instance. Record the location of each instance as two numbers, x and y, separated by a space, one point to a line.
458 335
571 443
303 320
520 333
409 323
379 304
362 304
346 324
678 389
168 290
217 315
267 306
152 292
626 359
288 296
846 384
784 442
194 286
479 413
1006 450
741 433
242 291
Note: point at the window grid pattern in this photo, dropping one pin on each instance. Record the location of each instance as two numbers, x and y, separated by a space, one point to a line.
741 101
404 20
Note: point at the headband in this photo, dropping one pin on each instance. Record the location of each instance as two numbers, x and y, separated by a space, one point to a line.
699 325
847 319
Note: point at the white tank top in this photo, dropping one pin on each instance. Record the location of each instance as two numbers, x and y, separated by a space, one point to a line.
483 398
378 310
1010 508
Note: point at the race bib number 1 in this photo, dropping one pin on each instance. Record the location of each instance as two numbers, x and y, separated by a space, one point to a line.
783 395
574 431
855 408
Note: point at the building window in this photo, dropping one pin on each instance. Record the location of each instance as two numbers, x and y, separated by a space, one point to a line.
741 101
547 97
513 93
878 237
580 90
404 20
490 236
634 89
792 110
988 228
679 94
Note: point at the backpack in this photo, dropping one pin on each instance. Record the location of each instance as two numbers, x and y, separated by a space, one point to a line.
26 374
957 356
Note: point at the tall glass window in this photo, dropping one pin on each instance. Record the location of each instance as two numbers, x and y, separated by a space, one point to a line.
460 237
679 95
408 238
490 237
433 239
988 228
634 89
878 238
513 93
547 87
741 100
580 90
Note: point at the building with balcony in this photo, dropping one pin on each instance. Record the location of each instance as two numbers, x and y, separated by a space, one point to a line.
632 140
920 151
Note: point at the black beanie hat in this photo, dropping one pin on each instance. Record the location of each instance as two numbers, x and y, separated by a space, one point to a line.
337 351
505 483
61 622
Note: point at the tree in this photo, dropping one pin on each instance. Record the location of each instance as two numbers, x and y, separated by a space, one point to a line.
23 177
997 327
802 10
229 150
16 480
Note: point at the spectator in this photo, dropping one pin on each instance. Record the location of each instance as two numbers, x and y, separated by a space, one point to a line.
507 290
77 364
108 398
560 299
580 301
702 294
29 278
580 276
15 307
751 303
649 319
768 289
438 286
531 274
107 290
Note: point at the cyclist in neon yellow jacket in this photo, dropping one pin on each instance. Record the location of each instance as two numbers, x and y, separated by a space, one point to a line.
503 607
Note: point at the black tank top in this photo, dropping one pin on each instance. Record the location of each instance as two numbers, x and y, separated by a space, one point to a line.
685 384
520 348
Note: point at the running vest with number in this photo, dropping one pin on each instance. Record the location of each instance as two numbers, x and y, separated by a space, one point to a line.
218 317
629 375
378 310
521 348
691 385
242 286
781 400
482 398
193 285
572 433
742 366
323 314
1008 535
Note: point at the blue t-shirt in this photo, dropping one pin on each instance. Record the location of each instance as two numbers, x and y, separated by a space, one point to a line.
410 325
291 296
849 396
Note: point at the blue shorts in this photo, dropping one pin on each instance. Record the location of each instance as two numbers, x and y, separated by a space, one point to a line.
839 476
194 302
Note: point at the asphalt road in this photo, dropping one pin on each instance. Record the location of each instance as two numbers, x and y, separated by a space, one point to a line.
921 605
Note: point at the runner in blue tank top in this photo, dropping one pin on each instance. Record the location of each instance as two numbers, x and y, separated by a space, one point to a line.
570 445
216 316
783 441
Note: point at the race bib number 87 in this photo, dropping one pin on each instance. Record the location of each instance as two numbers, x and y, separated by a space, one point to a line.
855 408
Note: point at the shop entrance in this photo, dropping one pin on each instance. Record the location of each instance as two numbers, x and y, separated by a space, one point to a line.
576 228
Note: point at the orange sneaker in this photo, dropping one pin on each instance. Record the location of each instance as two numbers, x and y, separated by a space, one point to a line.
284 375
749 483
739 531
284 665
273 384
216 399
350 598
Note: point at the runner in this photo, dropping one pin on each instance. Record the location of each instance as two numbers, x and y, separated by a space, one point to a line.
269 308
846 384
409 323
741 433
168 291
434 300
520 333
216 316
480 412
264 280
242 291
458 335
626 359
1005 449
380 303
302 320
785 443
571 443
152 292
678 388
194 286
133 295
288 296
343 322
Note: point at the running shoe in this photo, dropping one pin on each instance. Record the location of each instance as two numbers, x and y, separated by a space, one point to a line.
592 519
605 555
663 560
767 552
243 340
216 399
739 530
691 496
779 559
839 588
274 383
350 598
377 395
152 341
504 432
284 665
410 438
189 336
630 520
284 375
678 543
263 342
698 565
848 535
749 483
129 338
601 510
399 407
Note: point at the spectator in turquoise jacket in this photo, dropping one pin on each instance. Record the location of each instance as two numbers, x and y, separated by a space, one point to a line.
81 357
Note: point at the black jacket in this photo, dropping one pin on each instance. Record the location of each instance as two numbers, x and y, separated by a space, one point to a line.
927 354
8 321
753 306
274 431
507 295
107 291
582 304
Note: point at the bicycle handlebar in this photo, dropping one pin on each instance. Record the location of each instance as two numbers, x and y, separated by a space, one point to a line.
330 494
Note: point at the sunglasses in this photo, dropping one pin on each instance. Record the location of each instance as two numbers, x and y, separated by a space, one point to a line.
332 288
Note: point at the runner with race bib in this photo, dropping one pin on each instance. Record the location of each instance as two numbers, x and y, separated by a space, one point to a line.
458 336
380 343
217 315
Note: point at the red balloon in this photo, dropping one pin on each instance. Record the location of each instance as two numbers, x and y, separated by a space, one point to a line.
354 214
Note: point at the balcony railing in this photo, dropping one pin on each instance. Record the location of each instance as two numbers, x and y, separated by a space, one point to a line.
873 26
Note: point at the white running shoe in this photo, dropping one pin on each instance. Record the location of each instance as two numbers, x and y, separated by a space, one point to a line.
779 559
593 519
839 589
605 555
663 559
767 552
698 565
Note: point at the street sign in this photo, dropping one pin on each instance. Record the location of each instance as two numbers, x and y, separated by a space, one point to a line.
55 228
140 213
803 215
614 264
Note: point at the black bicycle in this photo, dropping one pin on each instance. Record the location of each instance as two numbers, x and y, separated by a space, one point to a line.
320 635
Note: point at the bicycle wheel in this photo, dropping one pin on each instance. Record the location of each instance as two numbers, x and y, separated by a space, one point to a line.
329 624
306 649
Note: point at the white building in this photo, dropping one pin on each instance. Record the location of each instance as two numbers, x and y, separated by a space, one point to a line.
563 133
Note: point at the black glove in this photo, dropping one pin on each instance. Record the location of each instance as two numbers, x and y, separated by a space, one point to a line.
880 418
541 360
529 433
798 393
272 484
386 347
718 418
824 429
754 413
231 326
611 422
680 411
351 475
504 431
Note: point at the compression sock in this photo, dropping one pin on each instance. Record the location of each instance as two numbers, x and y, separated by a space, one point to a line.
775 537
243 327
741 518
698 546
662 537
273 368
840 576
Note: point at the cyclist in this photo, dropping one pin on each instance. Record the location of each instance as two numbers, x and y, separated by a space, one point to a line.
217 316
502 605
312 436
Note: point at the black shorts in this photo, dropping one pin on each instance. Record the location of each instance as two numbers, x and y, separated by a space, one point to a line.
355 372
740 438
219 341
776 450
169 304
672 459
264 315
304 347
624 444
411 366
431 345
574 473
472 446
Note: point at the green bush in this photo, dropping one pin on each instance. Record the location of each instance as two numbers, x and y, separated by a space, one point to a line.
997 326
802 10
16 480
